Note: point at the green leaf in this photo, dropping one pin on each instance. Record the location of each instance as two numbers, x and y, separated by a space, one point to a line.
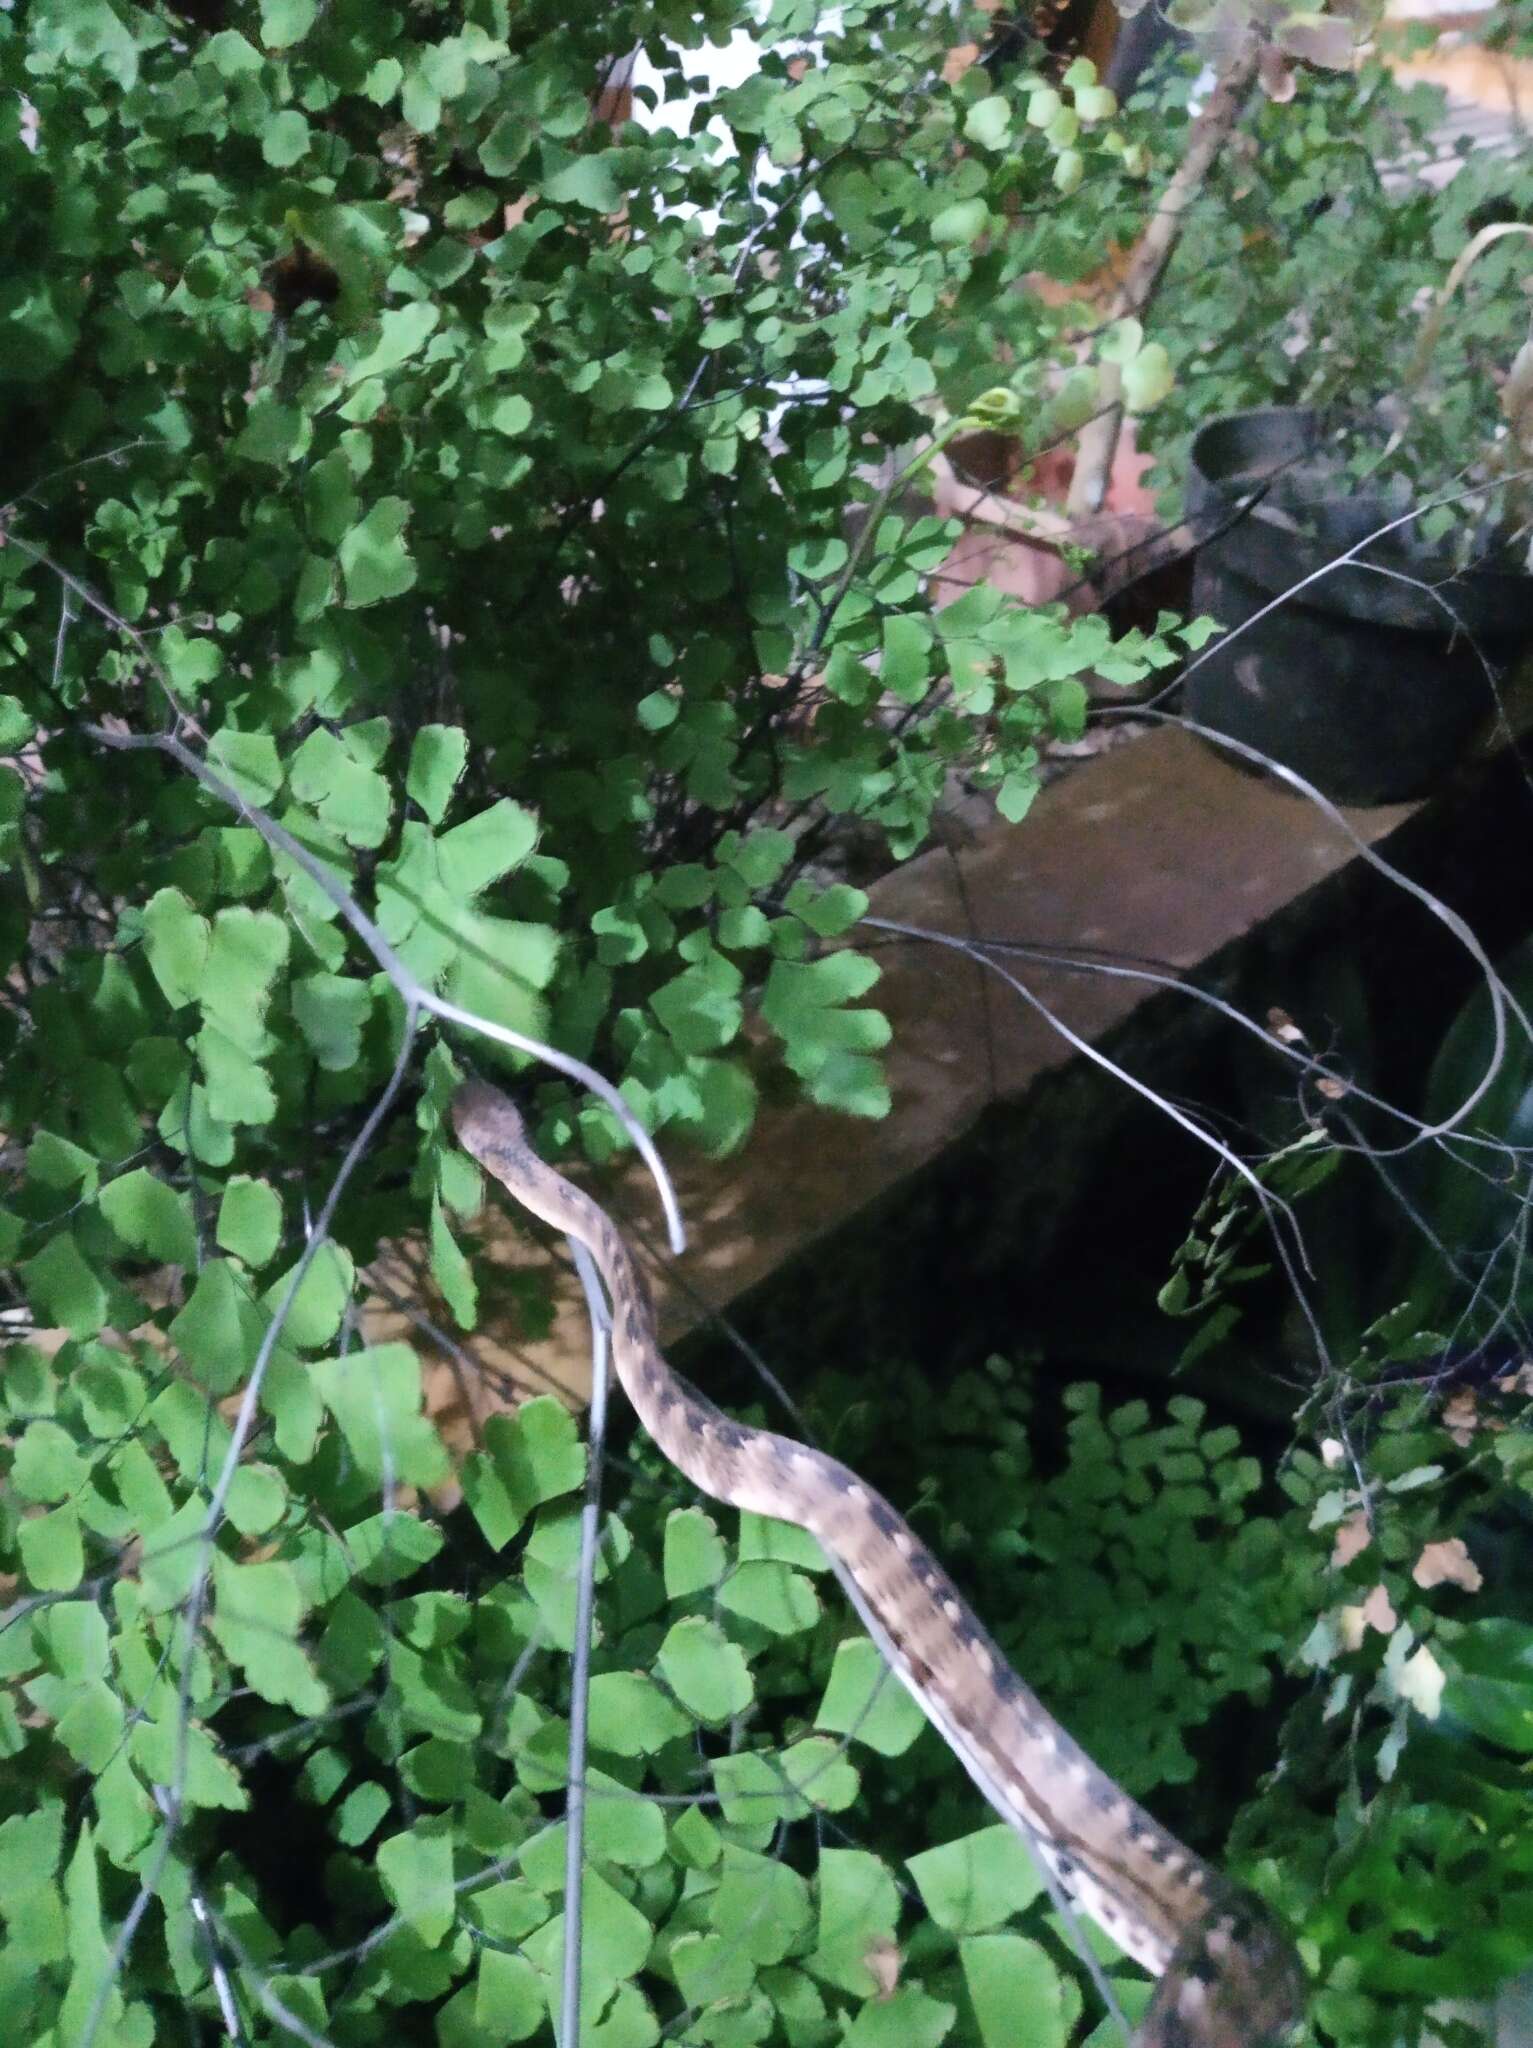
530 1457
241 857
744 928
172 1556
539 1452
231 55
323 1296
508 1997
907 2019
760 857
451 1270
347 794
798 989
16 727
375 563
685 887
859 1907
988 122
631 1716
821 1771
273 433
285 139
150 1217
432 1695
256 1615
755 1796
762 1906
485 847
956 226
91 1728
976 1883
864 1700
905 669
238 1088
706 1671
615 1943
194 1436
511 415
52 1555
507 1910
1490 1680
402 332
48 1465
76 1640
1017 1990
1014 797
54 1162
506 144
827 912
500 967
257 1499
1148 378
620 1828
1122 341
375 1396
64 1289
1095 103
361 1813
710 1970
700 1008
250 762
695 1842
285 22
657 711
167 1750
551 1569
92 1990
177 942
112 1395
250 1220
587 181
30 1847
415 1869
825 1045
773 1596
695 1557
438 755
331 1011
761 1536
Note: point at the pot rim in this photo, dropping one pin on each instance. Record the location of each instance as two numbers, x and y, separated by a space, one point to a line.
1492 603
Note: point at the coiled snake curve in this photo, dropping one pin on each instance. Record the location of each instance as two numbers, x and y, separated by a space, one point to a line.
1230 1978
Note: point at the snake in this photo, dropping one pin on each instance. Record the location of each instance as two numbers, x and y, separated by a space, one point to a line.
1230 1976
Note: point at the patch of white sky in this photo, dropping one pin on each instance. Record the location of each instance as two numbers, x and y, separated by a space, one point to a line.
712 69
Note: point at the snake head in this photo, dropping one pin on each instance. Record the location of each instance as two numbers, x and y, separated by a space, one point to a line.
1235 1981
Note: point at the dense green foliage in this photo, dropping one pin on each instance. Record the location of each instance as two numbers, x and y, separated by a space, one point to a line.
493 500
1154 1565
457 457
472 485
1307 270
371 1825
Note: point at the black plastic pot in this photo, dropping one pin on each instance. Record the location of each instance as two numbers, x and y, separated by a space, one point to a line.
1370 685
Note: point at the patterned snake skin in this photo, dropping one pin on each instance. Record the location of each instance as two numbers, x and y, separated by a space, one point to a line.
1230 1978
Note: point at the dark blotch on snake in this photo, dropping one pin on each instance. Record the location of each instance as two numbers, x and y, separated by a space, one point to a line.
1102 1792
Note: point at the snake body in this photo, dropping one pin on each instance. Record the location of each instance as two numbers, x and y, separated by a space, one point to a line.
1230 1978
